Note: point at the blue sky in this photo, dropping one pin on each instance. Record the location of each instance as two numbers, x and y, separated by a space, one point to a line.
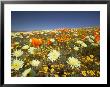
41 20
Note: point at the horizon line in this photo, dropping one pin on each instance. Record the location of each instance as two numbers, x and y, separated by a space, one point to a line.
55 28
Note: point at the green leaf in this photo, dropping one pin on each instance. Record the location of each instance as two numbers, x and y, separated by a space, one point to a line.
32 73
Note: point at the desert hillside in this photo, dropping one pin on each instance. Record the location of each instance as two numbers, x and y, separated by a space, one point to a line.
63 52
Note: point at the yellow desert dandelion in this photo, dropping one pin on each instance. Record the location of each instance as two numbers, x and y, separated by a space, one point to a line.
53 55
73 62
35 62
83 45
31 50
76 48
83 73
17 53
79 42
17 64
25 47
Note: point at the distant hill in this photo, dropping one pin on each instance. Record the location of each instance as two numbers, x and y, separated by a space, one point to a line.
58 29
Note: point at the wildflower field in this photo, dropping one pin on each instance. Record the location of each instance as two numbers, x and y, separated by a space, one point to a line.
66 52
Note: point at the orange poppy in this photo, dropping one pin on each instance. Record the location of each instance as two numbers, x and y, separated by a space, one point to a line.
36 42
96 33
83 37
49 42
97 38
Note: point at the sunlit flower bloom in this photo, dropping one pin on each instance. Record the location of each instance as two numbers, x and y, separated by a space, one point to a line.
79 42
17 64
52 70
90 40
27 71
75 34
31 50
35 62
17 53
52 40
84 45
53 55
92 56
20 36
92 37
73 62
30 40
95 44
87 37
27 37
25 47
76 48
